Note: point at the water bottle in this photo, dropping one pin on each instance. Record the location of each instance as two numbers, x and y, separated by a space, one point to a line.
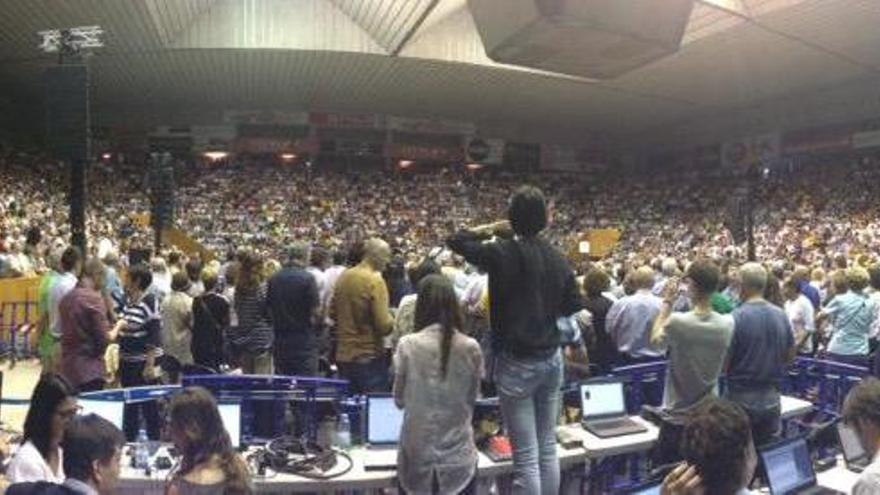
142 450
343 432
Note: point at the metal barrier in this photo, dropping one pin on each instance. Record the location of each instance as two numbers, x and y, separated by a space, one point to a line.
18 324
824 382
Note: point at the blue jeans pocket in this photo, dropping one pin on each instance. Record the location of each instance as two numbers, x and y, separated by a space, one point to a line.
515 379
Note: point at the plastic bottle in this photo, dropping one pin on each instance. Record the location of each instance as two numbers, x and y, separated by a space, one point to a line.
343 432
142 450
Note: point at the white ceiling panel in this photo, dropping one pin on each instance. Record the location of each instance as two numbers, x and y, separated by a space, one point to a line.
164 57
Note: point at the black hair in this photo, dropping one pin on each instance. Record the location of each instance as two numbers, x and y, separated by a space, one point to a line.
339 257
716 441
70 258
194 270
874 274
88 439
141 276
528 211
425 268
437 303
50 392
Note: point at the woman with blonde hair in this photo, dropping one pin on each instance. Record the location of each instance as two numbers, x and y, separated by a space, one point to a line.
209 463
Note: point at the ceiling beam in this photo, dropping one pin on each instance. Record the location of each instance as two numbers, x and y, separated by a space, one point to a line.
415 27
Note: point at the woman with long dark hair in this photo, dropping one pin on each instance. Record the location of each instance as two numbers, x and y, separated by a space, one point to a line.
209 464
39 458
436 381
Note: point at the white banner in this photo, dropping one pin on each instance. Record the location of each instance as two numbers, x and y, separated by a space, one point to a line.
868 139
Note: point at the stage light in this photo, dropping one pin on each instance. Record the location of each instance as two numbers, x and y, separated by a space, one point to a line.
474 166
288 157
215 155
405 164
106 156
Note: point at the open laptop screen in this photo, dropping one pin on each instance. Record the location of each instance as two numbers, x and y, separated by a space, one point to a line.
849 443
602 400
111 410
384 421
230 414
788 466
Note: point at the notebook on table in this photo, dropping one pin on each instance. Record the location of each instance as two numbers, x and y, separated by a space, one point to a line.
853 454
384 422
603 409
789 469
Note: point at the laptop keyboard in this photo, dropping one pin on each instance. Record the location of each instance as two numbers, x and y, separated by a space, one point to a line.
612 423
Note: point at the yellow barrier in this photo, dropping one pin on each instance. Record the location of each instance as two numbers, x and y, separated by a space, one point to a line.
187 244
603 241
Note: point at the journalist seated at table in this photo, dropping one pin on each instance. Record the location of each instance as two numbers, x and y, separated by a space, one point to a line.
719 453
40 456
208 464
861 411
93 451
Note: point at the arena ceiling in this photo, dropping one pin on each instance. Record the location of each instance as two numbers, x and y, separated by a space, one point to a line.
173 60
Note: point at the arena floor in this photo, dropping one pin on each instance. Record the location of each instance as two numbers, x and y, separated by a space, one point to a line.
18 383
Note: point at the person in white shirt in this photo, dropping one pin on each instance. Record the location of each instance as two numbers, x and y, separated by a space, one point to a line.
39 458
719 454
861 411
71 265
874 274
801 314
94 460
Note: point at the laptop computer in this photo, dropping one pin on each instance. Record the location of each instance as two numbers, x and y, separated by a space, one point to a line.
853 454
603 410
230 414
384 421
111 410
789 469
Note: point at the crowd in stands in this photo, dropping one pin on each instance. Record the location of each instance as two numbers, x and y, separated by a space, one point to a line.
411 284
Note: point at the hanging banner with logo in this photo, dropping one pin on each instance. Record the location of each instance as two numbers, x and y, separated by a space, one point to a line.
562 158
426 126
484 151
426 152
265 117
346 121
742 153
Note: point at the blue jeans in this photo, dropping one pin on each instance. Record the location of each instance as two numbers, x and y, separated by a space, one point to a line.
528 390
365 377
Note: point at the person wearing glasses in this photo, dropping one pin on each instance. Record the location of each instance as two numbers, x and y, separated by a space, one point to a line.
39 458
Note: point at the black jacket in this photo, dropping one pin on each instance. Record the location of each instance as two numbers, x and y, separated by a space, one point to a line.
39 488
530 285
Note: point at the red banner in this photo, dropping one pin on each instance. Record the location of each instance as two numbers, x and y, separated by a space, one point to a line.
345 121
424 152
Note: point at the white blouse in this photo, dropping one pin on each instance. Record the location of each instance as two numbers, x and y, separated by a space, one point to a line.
28 465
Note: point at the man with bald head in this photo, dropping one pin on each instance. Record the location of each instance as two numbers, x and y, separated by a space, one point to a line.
360 310
631 318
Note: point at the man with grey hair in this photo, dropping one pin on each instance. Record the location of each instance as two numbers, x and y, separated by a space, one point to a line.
760 351
293 302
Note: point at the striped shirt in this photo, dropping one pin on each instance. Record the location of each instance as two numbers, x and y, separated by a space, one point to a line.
254 333
142 330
